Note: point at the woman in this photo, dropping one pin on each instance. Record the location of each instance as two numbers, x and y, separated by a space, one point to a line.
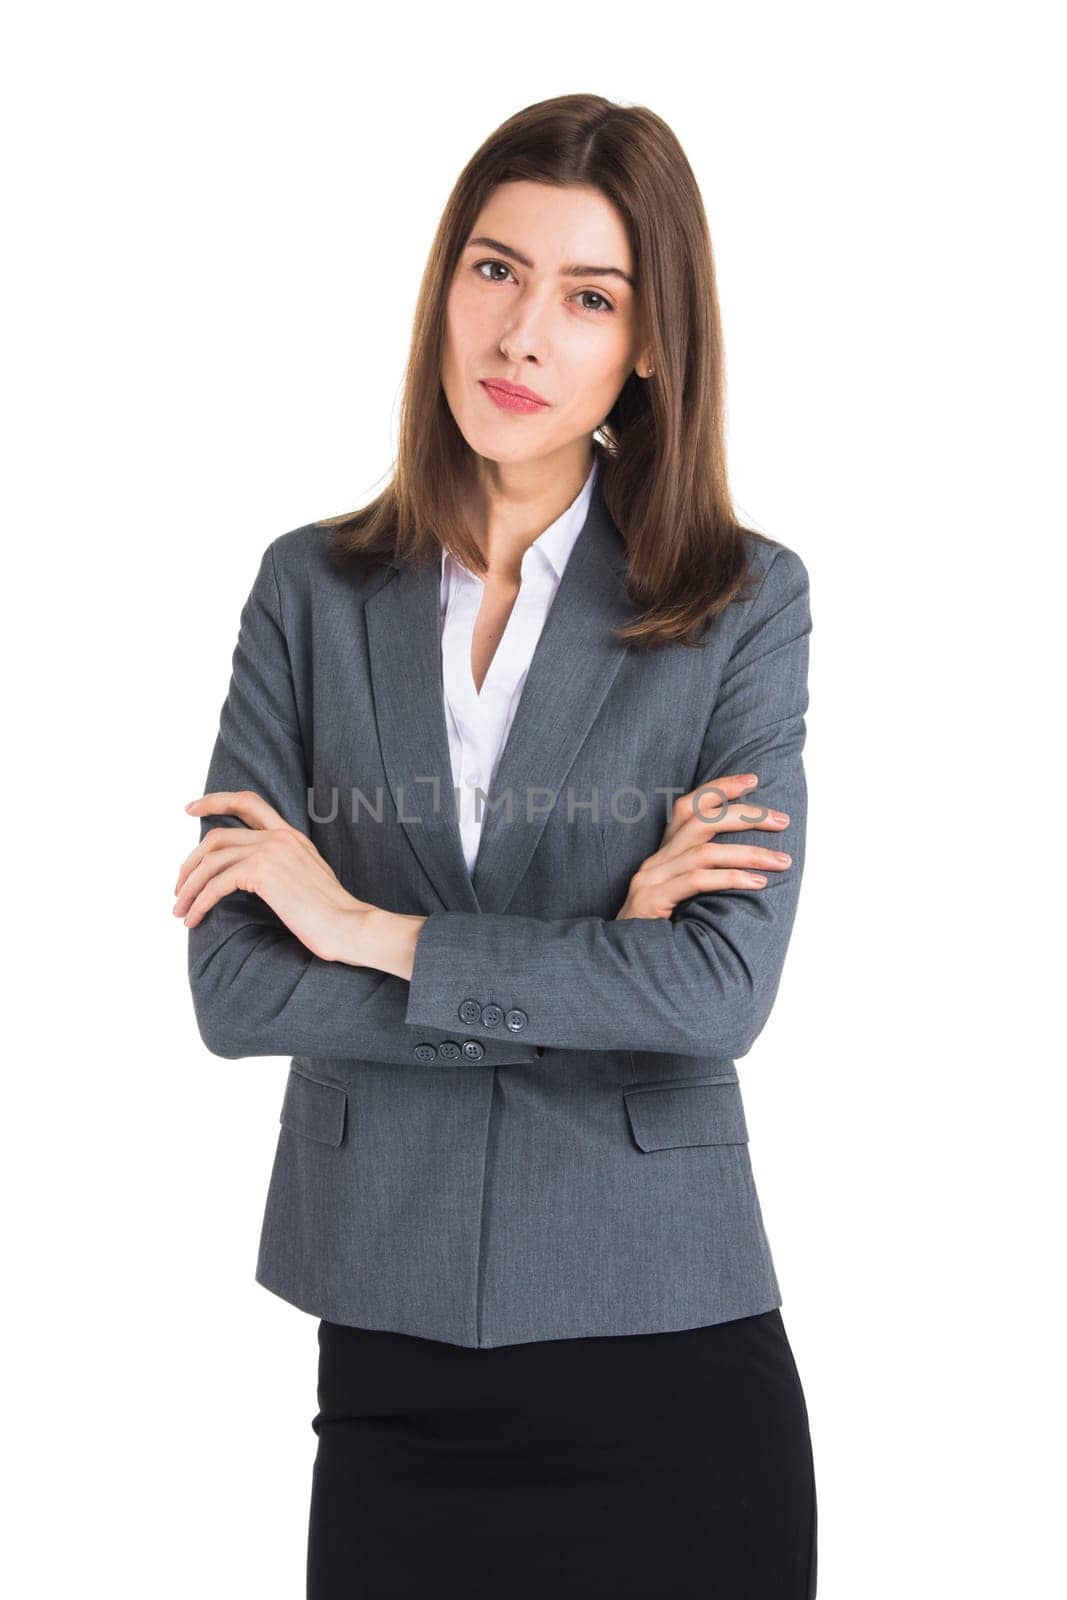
512 1179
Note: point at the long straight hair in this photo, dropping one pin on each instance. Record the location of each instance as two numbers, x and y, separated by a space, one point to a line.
662 472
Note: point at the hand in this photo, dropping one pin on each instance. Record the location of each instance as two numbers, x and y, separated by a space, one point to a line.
690 861
278 863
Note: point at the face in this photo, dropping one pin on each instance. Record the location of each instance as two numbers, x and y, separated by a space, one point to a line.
518 313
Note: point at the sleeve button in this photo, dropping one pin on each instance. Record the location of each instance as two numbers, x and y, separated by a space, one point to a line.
492 1016
470 1011
516 1020
473 1049
425 1052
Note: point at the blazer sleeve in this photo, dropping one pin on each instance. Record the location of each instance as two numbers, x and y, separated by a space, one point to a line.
704 980
256 989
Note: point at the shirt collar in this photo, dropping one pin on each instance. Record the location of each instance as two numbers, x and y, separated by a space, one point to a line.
558 539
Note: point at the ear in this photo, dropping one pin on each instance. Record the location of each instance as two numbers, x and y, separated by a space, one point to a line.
644 366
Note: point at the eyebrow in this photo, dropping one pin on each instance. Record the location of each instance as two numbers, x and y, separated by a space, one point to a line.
564 272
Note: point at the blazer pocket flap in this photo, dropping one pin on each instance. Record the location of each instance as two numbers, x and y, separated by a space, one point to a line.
314 1108
663 1118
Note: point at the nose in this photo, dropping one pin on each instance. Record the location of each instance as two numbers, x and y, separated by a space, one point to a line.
517 352
524 338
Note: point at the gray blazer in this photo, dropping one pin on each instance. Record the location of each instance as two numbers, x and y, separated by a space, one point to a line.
542 1135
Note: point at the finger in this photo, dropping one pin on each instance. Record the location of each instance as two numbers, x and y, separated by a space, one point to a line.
707 880
276 851
217 862
709 798
244 803
671 875
661 900
752 857
220 885
695 876
737 818
212 840
219 838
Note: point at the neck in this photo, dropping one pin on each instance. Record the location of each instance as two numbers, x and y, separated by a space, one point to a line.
512 503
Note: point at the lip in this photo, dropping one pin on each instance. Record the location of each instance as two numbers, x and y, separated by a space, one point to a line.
512 396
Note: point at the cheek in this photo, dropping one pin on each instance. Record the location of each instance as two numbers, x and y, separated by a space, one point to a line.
462 351
598 380
453 329
469 321
617 357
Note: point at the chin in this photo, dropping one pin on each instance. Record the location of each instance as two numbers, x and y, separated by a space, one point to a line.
492 444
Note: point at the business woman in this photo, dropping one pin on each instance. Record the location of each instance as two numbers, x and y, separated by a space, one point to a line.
501 845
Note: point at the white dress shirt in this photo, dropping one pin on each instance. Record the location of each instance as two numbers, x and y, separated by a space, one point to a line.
478 724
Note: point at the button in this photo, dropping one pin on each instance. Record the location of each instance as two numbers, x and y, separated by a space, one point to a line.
425 1052
492 1016
470 1011
473 1049
473 779
516 1020
448 1050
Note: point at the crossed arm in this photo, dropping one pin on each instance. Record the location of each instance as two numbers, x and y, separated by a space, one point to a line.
316 971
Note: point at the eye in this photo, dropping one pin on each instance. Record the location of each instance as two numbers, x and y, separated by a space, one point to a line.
605 303
604 308
479 265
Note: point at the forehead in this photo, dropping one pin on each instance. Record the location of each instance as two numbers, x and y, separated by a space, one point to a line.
554 226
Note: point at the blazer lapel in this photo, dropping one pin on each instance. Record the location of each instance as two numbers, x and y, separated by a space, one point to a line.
573 667
572 670
403 620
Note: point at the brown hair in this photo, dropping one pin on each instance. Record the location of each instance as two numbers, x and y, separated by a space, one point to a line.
662 472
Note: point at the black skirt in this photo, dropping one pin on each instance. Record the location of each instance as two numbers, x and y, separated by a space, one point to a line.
655 1465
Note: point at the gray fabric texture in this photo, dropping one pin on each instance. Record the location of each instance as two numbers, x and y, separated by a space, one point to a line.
542 1135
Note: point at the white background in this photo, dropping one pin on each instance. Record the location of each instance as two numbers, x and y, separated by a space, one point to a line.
217 218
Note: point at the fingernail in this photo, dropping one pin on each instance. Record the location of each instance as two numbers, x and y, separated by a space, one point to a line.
756 877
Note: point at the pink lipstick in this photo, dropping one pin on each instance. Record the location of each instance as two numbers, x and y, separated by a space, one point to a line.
513 396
